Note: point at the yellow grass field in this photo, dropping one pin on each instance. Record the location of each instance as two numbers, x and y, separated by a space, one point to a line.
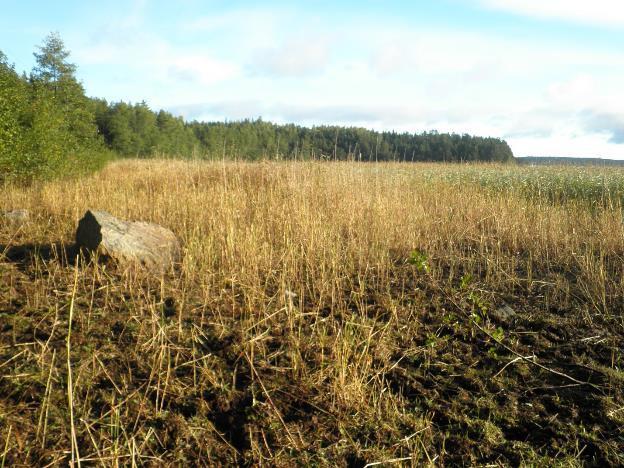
325 314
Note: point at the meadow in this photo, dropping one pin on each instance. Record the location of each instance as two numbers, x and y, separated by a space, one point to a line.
324 314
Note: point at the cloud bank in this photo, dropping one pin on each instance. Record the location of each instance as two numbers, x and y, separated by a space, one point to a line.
596 12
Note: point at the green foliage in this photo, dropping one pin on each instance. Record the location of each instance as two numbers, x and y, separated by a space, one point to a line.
449 319
479 314
46 139
419 260
175 138
47 124
432 340
259 139
498 334
52 67
479 304
122 127
137 131
465 281
13 107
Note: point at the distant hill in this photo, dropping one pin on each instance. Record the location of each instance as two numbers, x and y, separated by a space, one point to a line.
554 160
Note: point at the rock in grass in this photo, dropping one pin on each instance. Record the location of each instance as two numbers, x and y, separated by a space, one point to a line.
503 314
15 216
149 245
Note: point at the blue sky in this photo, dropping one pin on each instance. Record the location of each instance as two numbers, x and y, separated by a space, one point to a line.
546 75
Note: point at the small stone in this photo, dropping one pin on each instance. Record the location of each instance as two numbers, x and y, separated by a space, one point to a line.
169 307
16 216
504 313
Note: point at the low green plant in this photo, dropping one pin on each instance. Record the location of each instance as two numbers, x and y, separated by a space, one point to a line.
479 304
465 281
419 260
498 334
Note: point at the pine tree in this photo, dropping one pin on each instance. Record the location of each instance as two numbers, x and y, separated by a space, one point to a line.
56 75
52 67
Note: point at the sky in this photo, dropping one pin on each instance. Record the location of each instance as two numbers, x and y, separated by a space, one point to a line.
545 75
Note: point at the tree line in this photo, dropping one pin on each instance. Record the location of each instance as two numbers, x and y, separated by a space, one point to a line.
135 130
49 127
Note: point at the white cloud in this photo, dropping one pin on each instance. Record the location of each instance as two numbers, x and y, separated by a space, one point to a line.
243 19
160 61
247 27
597 12
605 123
428 51
476 56
297 57
378 116
199 69
570 144
578 116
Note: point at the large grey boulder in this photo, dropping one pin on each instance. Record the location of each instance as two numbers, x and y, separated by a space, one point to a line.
149 245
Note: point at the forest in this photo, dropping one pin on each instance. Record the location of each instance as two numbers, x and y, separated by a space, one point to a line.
50 127
136 130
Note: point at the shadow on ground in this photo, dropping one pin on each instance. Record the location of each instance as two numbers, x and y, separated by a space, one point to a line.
24 255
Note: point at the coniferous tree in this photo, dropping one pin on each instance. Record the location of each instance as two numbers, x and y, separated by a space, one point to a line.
55 75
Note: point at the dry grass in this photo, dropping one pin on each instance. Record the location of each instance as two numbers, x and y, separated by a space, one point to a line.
301 331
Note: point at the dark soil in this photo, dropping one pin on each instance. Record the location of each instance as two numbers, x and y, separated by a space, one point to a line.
452 359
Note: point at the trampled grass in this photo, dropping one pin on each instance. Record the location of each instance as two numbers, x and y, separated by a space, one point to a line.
328 314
